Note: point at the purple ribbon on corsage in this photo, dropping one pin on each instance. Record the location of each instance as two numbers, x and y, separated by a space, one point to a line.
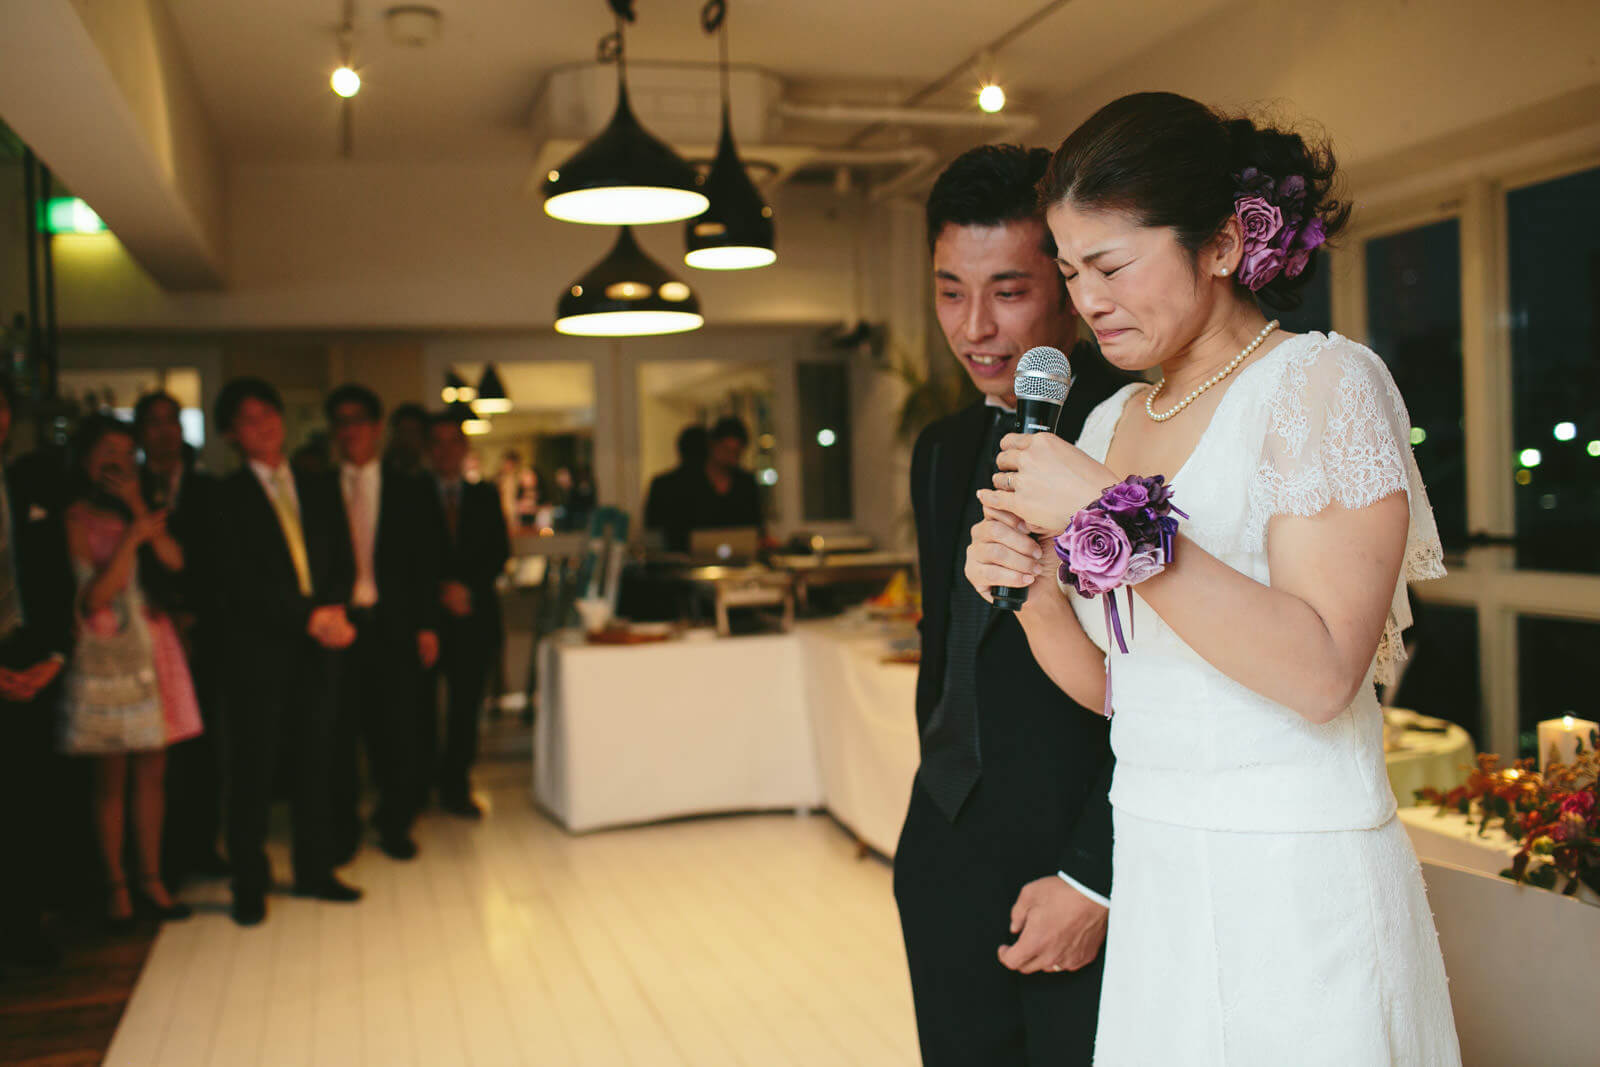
1124 538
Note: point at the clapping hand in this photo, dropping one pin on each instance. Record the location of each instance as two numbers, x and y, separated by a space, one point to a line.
1044 481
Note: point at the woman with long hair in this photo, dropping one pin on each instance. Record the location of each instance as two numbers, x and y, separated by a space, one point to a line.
1224 557
128 692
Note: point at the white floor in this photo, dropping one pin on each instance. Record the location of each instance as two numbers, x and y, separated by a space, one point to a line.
757 940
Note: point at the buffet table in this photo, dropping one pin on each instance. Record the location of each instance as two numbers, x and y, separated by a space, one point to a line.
634 734
864 720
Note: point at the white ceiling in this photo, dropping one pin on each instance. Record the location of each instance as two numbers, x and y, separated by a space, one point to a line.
263 68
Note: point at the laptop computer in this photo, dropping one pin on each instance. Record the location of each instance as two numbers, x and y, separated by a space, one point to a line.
734 544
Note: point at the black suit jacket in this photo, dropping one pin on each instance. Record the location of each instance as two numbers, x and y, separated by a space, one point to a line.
44 579
257 589
1029 729
406 554
477 554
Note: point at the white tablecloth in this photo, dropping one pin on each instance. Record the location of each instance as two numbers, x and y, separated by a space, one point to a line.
638 733
863 714
813 717
1498 936
1440 760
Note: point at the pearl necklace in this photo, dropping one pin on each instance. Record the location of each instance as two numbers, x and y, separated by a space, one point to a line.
1155 391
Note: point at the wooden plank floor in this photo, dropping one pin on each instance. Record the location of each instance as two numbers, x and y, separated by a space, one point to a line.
66 1018
759 940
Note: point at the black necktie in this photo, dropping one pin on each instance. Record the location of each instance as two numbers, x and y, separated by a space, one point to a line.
951 763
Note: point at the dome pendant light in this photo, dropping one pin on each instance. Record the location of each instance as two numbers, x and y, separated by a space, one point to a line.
736 232
491 397
627 294
624 176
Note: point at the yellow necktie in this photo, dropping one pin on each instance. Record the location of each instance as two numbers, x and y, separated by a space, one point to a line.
289 519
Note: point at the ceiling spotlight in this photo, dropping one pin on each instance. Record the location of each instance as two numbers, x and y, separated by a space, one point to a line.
345 82
992 98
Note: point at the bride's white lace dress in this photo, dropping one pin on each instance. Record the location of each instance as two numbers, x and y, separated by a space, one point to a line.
1267 908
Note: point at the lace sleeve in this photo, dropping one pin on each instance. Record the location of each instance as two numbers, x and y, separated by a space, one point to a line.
1338 431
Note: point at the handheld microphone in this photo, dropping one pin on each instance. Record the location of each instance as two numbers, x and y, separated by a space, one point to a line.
1043 377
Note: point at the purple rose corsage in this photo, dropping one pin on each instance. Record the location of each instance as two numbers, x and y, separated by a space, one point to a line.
1120 540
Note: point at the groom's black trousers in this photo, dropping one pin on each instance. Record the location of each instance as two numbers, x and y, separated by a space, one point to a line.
955 885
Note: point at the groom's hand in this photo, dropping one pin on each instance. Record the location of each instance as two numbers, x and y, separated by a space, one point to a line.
1058 928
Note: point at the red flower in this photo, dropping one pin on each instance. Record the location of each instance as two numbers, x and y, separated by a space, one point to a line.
1580 803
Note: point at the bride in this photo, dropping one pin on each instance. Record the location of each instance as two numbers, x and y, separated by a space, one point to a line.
1267 907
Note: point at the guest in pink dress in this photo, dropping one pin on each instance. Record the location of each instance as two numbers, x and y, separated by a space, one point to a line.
128 692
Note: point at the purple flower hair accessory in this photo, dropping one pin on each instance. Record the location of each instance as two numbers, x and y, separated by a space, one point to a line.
1278 237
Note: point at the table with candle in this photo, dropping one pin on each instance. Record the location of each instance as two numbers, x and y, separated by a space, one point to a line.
1559 739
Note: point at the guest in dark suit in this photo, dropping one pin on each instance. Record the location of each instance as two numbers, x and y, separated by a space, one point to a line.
1004 861
283 576
170 479
394 605
36 591
476 548
669 506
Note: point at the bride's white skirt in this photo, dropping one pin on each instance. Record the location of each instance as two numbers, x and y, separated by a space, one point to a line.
1271 949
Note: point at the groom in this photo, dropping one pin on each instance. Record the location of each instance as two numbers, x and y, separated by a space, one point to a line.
1004 863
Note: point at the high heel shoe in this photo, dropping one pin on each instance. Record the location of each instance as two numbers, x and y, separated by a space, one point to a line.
169 912
119 925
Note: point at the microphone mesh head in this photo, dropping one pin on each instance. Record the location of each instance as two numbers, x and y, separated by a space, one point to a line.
1043 373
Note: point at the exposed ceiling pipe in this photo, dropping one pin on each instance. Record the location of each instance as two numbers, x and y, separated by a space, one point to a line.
914 158
863 114
911 177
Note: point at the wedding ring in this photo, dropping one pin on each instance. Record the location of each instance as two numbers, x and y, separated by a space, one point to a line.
1055 968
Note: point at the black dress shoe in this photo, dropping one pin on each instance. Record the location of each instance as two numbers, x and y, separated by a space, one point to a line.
249 908
398 846
329 888
461 806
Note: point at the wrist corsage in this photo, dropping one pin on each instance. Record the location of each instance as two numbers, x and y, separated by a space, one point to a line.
1120 540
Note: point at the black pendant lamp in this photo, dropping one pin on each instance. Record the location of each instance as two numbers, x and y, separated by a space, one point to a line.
627 294
492 398
624 176
736 232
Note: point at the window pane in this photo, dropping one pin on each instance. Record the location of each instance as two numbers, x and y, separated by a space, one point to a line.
1441 672
1550 681
1316 313
1554 230
824 390
1414 318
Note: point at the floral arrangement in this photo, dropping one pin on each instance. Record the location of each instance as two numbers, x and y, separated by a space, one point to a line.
1120 540
1278 237
1555 815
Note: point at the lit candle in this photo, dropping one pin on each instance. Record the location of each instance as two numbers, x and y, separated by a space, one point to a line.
1559 739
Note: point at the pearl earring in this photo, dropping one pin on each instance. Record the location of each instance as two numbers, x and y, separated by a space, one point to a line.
1223 272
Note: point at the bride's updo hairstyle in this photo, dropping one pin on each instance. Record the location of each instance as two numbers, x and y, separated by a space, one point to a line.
1166 160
